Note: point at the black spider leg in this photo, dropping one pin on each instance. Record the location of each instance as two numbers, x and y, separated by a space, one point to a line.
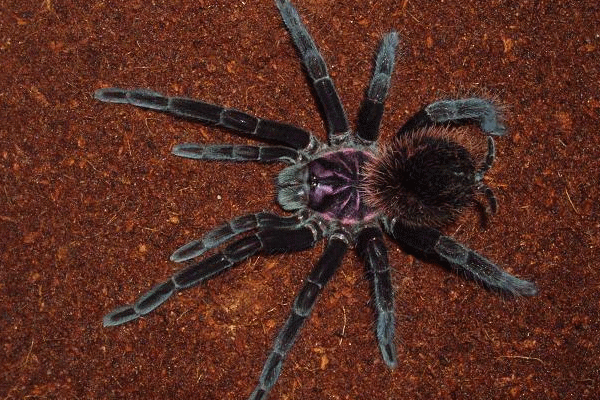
371 248
229 230
229 152
238 121
333 110
303 304
492 206
371 109
271 239
474 110
432 243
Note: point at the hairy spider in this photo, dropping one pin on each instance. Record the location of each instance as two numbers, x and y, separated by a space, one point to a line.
348 191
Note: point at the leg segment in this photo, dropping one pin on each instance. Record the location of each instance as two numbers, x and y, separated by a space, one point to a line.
229 118
228 152
472 110
432 243
333 109
371 110
371 248
230 230
267 241
303 304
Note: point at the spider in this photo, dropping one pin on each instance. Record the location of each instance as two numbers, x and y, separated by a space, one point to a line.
347 191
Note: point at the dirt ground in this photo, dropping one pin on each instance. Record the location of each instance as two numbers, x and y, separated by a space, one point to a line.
92 203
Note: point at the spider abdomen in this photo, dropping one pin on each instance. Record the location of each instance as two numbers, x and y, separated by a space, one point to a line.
424 178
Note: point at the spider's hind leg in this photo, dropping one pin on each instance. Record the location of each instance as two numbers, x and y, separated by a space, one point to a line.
432 243
474 110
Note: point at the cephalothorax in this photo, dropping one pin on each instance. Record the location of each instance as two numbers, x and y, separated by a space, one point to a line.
347 191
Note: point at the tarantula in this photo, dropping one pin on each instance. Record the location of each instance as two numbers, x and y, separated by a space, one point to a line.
348 191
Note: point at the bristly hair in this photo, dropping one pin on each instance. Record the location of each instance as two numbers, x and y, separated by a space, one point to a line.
426 177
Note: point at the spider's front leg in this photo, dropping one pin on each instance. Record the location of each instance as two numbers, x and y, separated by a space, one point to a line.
433 243
276 237
235 120
232 229
474 110
237 153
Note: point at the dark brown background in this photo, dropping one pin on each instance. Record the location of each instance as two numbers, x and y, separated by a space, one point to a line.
92 203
